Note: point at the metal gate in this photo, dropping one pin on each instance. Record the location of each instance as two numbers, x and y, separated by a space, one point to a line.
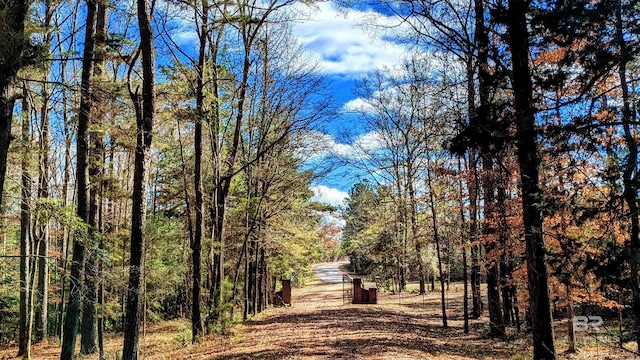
347 289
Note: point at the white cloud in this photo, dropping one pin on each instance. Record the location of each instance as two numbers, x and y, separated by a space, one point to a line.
317 145
344 46
368 142
358 105
327 195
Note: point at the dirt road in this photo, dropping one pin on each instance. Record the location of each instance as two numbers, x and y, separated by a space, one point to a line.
319 326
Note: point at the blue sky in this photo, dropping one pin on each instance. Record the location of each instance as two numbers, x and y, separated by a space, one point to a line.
347 50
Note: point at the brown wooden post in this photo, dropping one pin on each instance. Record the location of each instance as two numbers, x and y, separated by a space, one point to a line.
365 296
373 296
286 291
357 291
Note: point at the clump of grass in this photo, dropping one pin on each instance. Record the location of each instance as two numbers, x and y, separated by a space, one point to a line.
521 356
183 337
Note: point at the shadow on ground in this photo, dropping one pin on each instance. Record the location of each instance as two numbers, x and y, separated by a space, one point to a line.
357 332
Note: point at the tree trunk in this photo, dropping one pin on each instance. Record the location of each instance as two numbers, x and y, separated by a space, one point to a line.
463 244
492 247
145 111
97 169
197 329
570 329
482 120
216 205
506 263
529 161
188 288
246 292
477 305
42 314
72 318
24 342
66 179
88 343
256 275
436 238
10 62
413 218
630 175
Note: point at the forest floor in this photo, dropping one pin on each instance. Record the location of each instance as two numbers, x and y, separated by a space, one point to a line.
320 325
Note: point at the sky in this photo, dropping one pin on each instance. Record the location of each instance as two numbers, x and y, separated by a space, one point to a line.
347 50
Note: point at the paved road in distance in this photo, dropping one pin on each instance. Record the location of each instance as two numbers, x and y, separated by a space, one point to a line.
330 272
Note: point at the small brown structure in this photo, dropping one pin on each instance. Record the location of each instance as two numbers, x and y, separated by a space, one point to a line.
362 295
286 292
283 297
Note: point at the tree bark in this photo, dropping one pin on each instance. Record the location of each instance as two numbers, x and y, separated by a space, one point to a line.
24 341
464 241
10 62
197 328
506 263
492 247
145 112
630 175
216 207
477 305
72 318
89 329
436 238
529 161
482 112
66 179
43 235
97 168
413 218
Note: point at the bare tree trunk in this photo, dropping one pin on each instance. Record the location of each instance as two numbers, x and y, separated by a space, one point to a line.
66 179
24 342
43 235
483 111
508 288
463 242
246 292
88 344
197 326
413 218
97 170
630 175
82 179
492 247
187 287
255 276
41 316
31 297
145 112
436 238
529 161
477 305
570 329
